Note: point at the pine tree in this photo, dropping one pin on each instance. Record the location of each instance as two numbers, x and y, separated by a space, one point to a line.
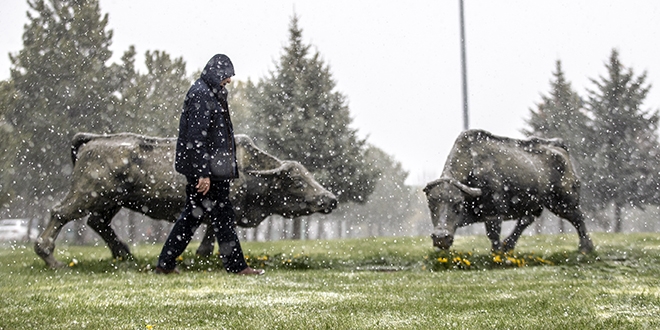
168 84
560 114
301 117
129 91
389 206
240 99
624 141
61 86
150 103
9 140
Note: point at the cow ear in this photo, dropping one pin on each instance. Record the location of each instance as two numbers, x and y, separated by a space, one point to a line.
474 192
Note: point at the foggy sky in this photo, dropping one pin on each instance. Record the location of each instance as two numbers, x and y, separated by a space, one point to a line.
399 63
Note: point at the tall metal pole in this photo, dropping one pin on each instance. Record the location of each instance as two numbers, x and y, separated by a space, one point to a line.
466 123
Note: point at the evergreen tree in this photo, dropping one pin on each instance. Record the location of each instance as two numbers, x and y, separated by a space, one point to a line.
240 105
559 114
130 92
61 86
301 117
151 103
388 208
9 141
624 141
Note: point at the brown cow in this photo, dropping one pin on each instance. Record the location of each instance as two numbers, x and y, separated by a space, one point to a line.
489 179
137 172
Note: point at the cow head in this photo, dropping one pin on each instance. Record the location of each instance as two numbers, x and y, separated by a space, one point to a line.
446 199
289 190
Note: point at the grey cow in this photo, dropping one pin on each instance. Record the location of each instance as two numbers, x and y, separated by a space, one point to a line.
489 179
137 172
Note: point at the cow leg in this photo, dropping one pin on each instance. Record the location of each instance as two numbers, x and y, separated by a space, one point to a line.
100 222
510 242
205 248
576 218
493 230
62 214
45 244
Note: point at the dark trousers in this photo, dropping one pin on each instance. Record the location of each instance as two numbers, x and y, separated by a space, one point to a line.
216 206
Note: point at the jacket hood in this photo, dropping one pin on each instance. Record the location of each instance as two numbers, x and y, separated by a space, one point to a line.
216 70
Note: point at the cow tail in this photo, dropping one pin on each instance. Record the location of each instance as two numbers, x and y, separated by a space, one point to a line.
78 140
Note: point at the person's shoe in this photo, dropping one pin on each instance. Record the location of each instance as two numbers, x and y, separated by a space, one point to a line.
251 271
161 270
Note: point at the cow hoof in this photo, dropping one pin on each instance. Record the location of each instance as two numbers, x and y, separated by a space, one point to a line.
507 247
586 249
54 264
126 257
121 252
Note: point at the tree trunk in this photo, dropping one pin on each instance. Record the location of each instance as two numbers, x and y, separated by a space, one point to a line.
79 232
249 234
617 219
538 228
297 229
30 224
132 227
269 229
319 228
158 232
307 223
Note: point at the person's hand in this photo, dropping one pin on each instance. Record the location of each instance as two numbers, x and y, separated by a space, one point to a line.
203 185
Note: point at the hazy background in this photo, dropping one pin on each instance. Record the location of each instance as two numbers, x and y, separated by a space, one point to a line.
399 64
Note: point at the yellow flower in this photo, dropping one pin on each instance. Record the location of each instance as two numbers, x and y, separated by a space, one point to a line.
543 261
516 262
150 327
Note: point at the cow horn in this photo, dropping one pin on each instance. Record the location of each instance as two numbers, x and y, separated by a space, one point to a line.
434 183
283 167
474 192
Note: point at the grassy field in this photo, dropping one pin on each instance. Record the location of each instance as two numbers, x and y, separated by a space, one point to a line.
376 283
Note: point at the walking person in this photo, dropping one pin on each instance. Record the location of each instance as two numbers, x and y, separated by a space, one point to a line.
206 155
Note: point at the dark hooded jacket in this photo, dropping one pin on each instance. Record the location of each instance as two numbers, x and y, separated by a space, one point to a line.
206 146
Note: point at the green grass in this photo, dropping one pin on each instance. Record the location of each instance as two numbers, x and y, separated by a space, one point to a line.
376 283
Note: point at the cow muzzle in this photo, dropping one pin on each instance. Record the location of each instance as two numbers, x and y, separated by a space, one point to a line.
327 203
322 203
442 240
